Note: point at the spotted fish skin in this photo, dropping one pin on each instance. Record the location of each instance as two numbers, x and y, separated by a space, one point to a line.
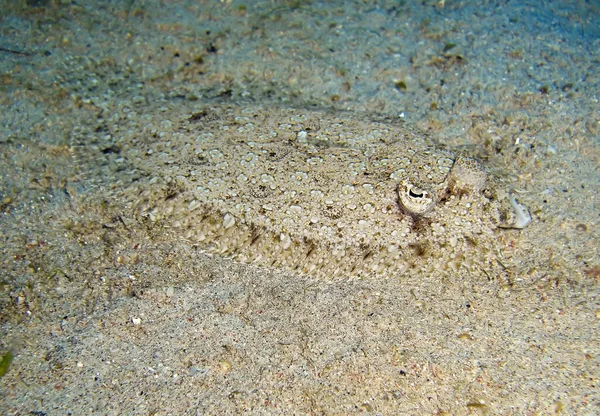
310 192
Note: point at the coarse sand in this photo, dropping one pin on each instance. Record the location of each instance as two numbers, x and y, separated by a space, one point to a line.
109 311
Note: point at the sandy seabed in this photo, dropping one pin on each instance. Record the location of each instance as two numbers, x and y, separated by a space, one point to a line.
104 316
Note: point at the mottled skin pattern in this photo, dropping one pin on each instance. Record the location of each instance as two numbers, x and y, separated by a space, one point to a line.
310 192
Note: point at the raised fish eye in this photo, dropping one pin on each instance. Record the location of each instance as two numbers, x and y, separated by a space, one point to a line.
415 200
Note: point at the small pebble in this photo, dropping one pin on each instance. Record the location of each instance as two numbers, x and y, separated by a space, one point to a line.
225 366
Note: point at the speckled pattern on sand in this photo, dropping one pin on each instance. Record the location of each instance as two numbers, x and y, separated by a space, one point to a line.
313 192
129 210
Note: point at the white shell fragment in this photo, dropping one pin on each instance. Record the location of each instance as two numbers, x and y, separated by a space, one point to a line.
228 221
522 217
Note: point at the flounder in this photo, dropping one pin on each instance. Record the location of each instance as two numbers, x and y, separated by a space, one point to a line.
310 192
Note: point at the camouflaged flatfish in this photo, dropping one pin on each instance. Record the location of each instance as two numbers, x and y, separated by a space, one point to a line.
311 192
